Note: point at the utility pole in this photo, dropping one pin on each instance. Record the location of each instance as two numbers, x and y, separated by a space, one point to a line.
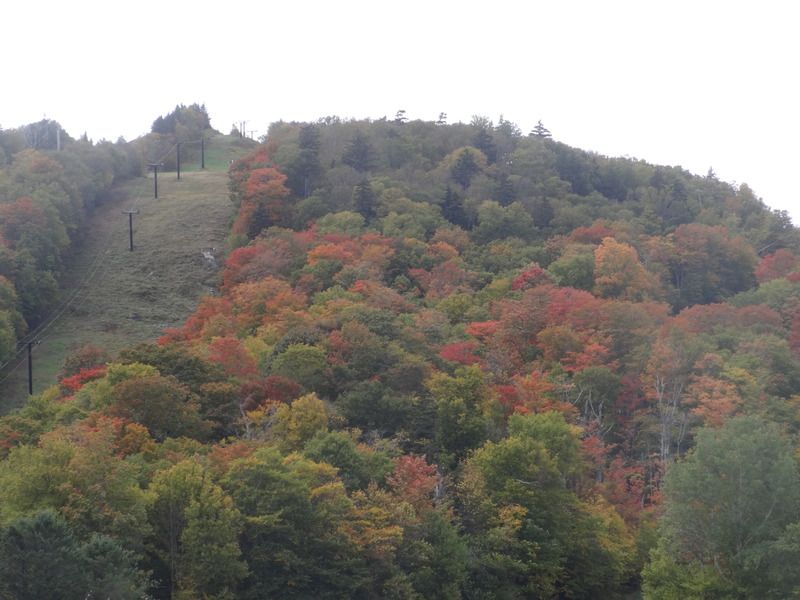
155 166
130 214
202 152
178 159
30 369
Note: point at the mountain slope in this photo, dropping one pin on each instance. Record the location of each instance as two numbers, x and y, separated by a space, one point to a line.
113 297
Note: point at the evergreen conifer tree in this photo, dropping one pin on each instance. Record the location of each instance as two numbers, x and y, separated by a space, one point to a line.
364 199
464 169
505 193
359 153
540 130
453 209
484 141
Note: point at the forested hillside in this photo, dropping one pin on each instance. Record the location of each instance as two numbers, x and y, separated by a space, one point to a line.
50 185
445 361
45 198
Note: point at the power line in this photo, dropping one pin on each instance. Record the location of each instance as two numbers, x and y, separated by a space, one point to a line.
57 312
52 318
13 370
159 163
161 159
37 334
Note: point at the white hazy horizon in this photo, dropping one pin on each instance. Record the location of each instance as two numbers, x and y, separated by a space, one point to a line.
697 85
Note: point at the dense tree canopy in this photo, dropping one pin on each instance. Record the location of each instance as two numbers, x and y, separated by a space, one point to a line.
444 361
49 186
732 517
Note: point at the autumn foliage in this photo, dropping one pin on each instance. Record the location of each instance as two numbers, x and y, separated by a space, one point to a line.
473 394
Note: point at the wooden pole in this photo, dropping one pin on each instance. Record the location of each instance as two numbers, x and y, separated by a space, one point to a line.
155 166
30 369
130 214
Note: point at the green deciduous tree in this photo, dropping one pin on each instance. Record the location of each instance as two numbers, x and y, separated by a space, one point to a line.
196 527
305 364
171 359
461 402
532 536
574 269
162 404
708 264
374 407
296 516
435 557
730 509
358 466
78 472
497 222
295 424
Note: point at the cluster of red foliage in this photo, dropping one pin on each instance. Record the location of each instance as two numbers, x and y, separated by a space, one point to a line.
75 382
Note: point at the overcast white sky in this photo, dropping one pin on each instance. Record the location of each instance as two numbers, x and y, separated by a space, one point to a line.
693 83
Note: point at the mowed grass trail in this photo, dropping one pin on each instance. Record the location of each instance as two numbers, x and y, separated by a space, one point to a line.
116 298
